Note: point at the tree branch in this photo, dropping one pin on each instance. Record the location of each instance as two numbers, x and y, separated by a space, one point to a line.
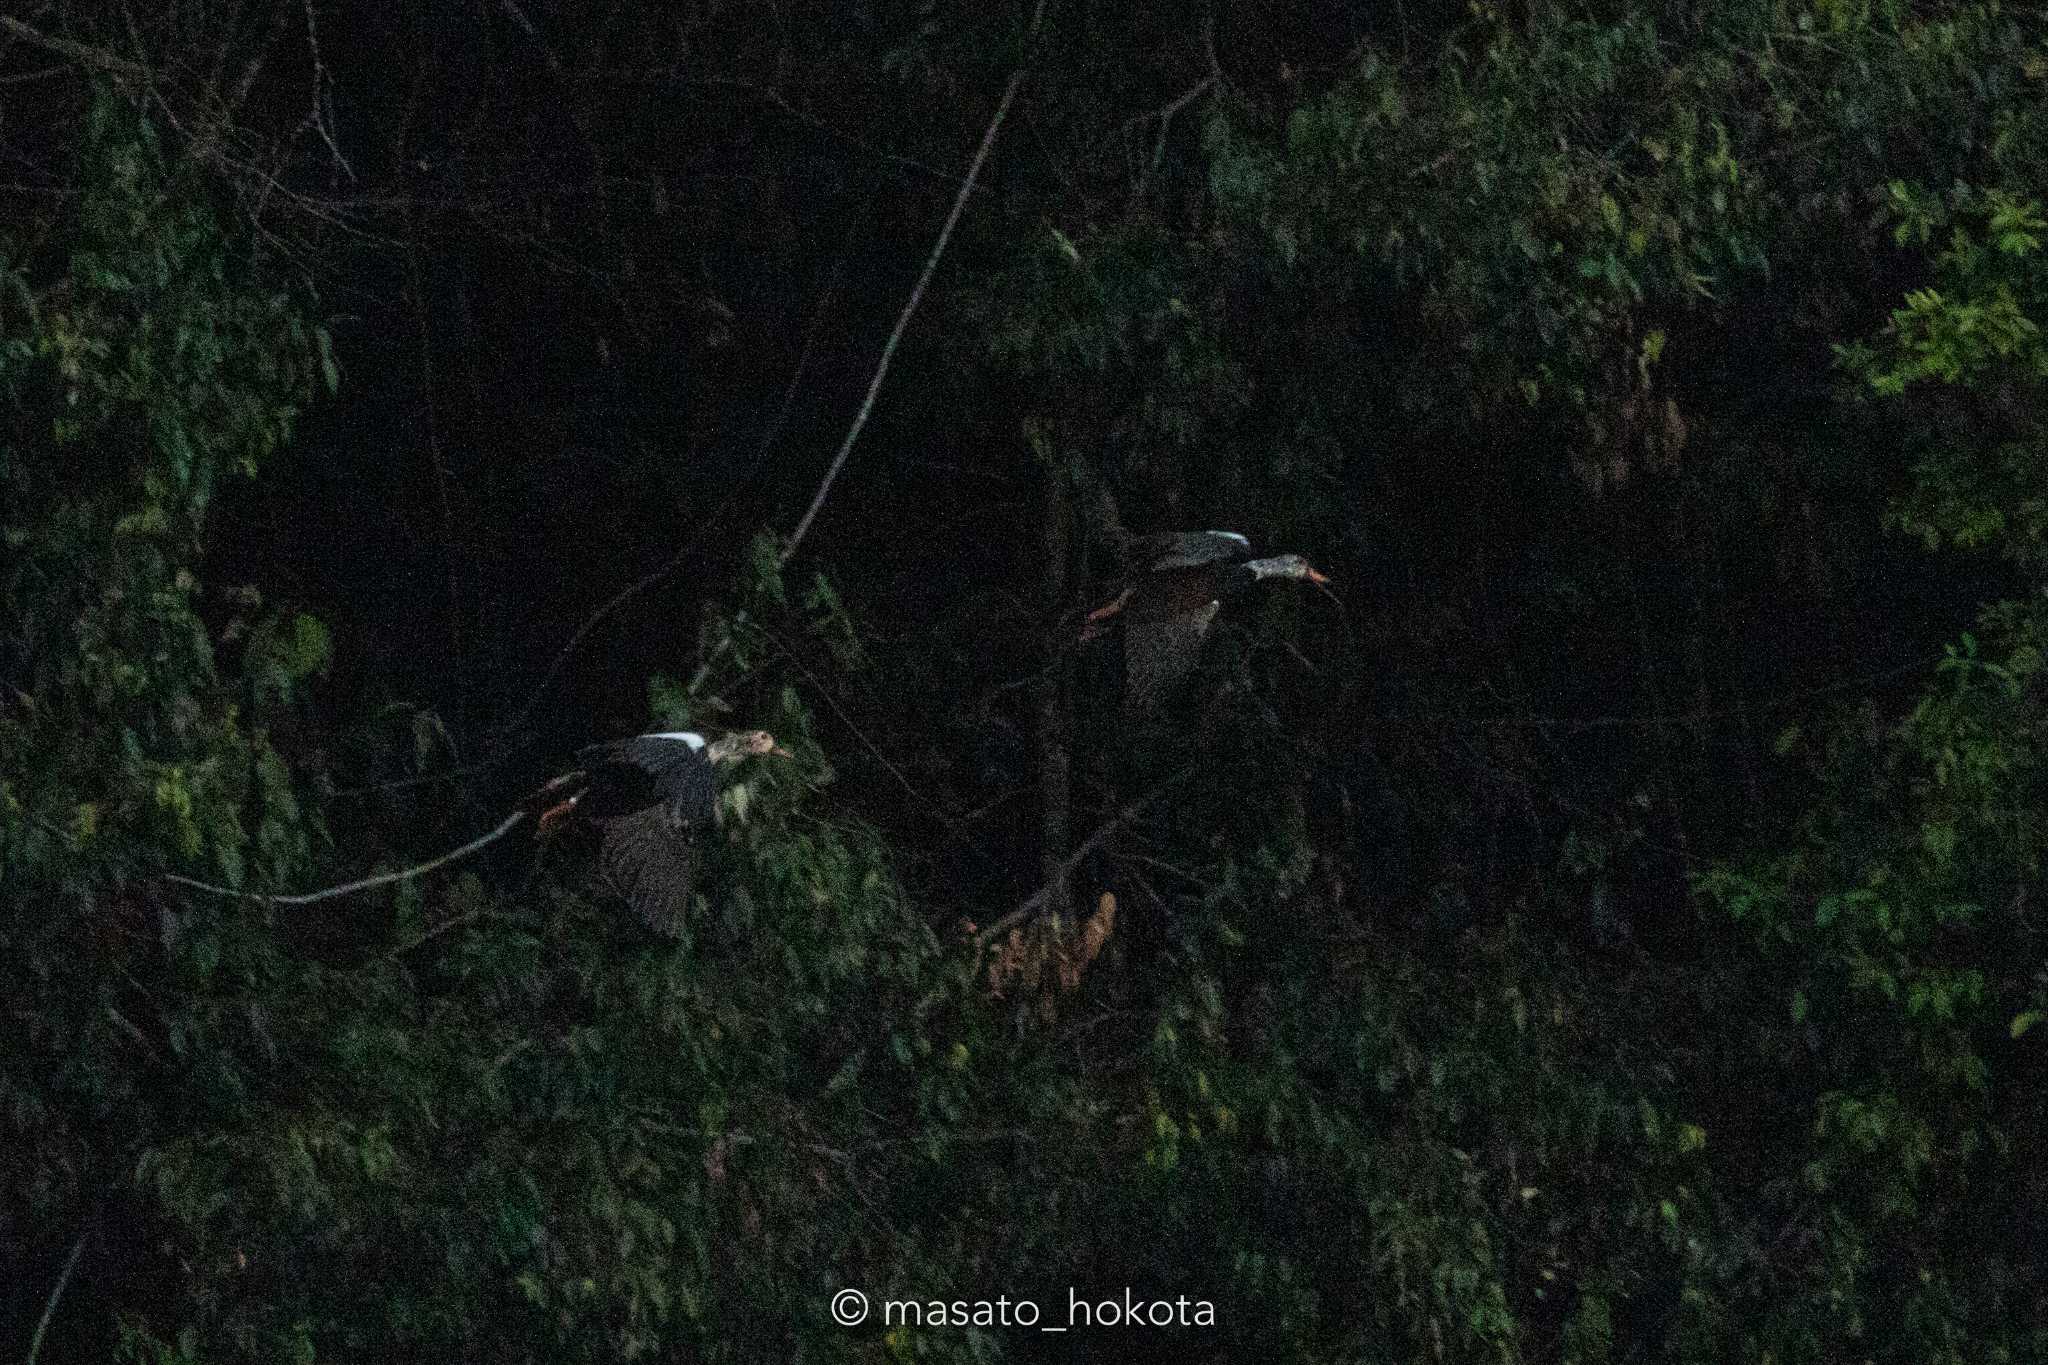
682 556
931 265
35 1343
364 884
1055 687
1129 812
97 58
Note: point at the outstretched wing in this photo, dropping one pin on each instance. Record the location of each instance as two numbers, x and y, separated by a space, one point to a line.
650 858
630 773
1159 654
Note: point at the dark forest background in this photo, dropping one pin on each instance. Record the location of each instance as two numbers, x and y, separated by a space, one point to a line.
1602 928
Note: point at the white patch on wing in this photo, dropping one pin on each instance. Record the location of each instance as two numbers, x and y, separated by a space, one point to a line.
689 737
1198 549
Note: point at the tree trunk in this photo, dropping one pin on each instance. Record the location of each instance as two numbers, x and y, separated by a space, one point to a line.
1055 690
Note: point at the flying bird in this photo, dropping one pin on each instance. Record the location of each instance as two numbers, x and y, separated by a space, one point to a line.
1177 583
648 796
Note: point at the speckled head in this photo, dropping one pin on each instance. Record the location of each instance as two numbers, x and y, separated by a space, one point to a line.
745 744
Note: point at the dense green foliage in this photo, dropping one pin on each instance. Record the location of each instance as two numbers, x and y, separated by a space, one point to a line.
1607 929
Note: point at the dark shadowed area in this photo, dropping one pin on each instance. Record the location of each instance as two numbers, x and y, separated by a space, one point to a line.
1559 880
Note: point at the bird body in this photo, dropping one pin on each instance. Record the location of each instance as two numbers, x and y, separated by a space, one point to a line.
626 775
1178 584
647 795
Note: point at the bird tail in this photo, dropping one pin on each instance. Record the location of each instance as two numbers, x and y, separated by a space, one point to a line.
553 797
556 814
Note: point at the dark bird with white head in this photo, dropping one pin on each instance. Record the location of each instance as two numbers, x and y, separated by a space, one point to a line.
648 796
1177 583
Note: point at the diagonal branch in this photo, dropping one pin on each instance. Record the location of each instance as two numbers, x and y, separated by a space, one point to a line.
682 556
1130 811
35 1344
931 265
803 527
99 59
366 883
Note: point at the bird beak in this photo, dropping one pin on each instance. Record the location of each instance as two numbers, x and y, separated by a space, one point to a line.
1321 580
779 752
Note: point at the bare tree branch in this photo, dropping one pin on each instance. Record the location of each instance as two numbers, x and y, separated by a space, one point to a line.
35 1344
97 58
931 265
1130 811
1055 687
364 884
689 547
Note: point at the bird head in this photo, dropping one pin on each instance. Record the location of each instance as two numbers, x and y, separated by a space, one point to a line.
1286 566
745 744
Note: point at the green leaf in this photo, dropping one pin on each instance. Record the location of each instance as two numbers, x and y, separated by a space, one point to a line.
311 649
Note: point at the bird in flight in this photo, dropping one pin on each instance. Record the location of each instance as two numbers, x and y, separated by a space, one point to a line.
648 796
1177 583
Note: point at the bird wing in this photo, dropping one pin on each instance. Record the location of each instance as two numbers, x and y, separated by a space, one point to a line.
650 858
1191 549
653 768
689 788
1159 654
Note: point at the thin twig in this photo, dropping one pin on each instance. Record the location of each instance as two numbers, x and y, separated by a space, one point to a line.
1181 101
366 883
1130 811
127 1026
1165 117
682 556
82 53
777 100
526 25
1209 49
431 431
323 98
931 265
427 779
452 922
41 73
929 806
35 1343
